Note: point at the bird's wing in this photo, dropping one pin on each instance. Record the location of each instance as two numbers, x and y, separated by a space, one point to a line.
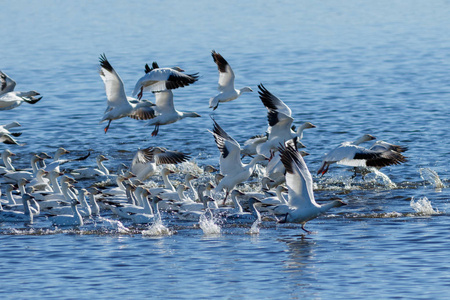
229 148
298 178
115 92
383 146
164 102
226 74
280 124
162 79
357 156
271 102
171 157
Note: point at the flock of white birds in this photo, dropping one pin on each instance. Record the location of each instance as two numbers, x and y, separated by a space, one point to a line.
286 187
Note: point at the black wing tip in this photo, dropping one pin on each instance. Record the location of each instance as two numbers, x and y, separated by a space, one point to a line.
220 61
104 63
147 69
288 155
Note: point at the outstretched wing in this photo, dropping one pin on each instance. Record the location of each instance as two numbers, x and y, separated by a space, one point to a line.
229 148
298 178
271 102
226 74
115 92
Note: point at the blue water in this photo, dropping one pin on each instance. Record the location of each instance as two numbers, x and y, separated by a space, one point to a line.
349 67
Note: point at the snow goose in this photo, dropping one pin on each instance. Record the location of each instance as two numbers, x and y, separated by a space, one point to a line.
92 201
351 154
119 105
15 176
168 186
226 83
230 161
280 120
145 161
14 99
4 129
6 83
178 195
69 220
194 211
166 112
303 206
145 218
8 139
275 169
40 183
162 79
18 216
244 216
89 173
6 157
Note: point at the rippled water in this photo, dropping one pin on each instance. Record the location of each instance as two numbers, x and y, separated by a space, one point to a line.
348 67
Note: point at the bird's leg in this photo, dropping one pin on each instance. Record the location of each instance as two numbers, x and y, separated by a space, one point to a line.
226 196
107 127
155 132
325 170
303 227
354 174
140 93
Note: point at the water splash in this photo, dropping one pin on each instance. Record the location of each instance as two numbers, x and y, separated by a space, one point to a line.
106 223
255 227
385 180
431 176
423 207
157 229
208 224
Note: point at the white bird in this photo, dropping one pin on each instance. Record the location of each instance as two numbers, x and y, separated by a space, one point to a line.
40 183
6 157
303 206
69 220
280 120
230 161
243 216
8 139
275 169
226 83
168 186
4 129
351 154
145 161
15 176
166 112
14 99
162 79
119 105
18 216
92 201
89 173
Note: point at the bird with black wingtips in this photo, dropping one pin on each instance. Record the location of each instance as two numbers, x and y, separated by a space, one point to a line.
226 83
119 105
302 205
351 154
